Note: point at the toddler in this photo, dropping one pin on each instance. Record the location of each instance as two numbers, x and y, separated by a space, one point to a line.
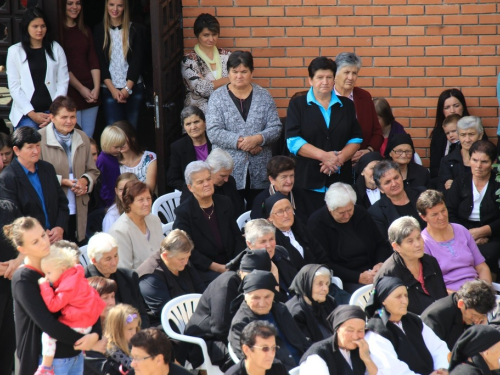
450 129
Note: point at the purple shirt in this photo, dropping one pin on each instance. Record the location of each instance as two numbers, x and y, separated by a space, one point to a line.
456 257
110 170
201 152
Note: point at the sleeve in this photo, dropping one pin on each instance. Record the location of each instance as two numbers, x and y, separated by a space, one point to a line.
92 56
293 131
198 283
99 43
107 222
314 364
235 334
376 138
300 319
135 54
56 300
63 210
478 257
140 300
193 79
429 320
155 293
175 174
220 305
216 126
294 144
15 81
379 219
453 198
120 234
437 347
383 247
62 71
9 189
272 130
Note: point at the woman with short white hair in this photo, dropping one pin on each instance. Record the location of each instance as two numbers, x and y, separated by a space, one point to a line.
350 237
102 251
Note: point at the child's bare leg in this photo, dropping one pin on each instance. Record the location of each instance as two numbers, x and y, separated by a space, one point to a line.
47 360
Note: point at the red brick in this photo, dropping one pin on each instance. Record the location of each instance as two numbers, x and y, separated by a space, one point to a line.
442 30
388 2
216 3
461 20
461 40
320 21
268 52
251 42
302 11
478 29
296 72
488 102
371 10
354 2
479 50
407 30
288 82
261 62
416 133
390 41
389 21
337 31
268 31
302 51
374 72
463 60
283 21
302 31
350 42
406 9
442 9
457 1
331 51
321 42
355 21
317 2
489 60
264 82
372 31
410 91
482 71
442 71
365 82
443 50
489 18
277 93
287 61
195 12
271 72
230 12
247 3
409 112
336 11
460 81
390 61
422 122
391 82
284 42
427 20
426 82
424 40
408 72
478 8
285 2
236 32
379 92
479 91
249 21
489 39
372 51
267 11
407 51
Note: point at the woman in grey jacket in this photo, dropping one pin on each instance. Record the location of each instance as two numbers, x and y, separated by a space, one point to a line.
242 119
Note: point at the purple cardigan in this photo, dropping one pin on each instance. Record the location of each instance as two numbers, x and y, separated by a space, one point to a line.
110 170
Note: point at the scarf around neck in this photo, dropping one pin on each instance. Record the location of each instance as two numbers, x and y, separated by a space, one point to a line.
65 142
209 62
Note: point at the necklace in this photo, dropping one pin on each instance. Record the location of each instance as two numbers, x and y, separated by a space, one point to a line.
209 215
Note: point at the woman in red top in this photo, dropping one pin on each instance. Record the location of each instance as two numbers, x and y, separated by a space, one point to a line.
83 65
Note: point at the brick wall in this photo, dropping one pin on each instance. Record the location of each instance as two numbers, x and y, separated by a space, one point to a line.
411 49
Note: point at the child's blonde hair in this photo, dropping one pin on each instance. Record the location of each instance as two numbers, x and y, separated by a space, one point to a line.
112 136
60 257
118 317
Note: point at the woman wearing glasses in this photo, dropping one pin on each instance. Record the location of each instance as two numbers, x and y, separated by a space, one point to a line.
400 150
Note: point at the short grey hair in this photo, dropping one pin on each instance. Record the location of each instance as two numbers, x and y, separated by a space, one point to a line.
176 242
195 167
469 122
347 59
99 244
219 159
323 271
382 168
339 195
190 111
402 228
257 228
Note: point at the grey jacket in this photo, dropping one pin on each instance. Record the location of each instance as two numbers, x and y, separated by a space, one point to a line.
225 125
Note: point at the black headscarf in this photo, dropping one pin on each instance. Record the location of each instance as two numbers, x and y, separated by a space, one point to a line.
270 201
342 314
365 160
256 280
384 286
473 341
250 260
395 141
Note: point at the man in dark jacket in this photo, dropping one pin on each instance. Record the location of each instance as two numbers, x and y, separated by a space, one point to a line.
450 316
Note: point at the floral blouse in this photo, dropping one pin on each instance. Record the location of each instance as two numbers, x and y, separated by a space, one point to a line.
140 170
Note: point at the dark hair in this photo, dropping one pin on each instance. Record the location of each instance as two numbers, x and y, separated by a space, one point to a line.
451 118
382 168
24 135
190 111
102 285
124 176
383 109
257 328
429 199
131 190
486 147
279 164
154 342
5 140
477 295
446 94
131 138
321 63
62 102
79 19
238 58
29 15
206 21
94 142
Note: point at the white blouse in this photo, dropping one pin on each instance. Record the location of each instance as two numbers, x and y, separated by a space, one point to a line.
478 198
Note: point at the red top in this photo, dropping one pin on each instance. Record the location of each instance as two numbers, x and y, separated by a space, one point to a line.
421 277
79 303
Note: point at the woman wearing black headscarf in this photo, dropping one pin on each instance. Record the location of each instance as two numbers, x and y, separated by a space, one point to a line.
400 150
399 341
477 352
344 353
366 190
311 304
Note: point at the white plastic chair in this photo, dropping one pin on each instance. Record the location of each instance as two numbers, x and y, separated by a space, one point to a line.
361 296
167 228
232 354
243 219
336 280
165 205
178 311
295 371
84 258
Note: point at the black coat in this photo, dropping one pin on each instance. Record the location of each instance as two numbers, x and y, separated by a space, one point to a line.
306 121
182 153
16 187
433 280
127 283
287 271
345 264
361 196
417 176
460 201
286 326
468 368
452 166
189 217
445 319
239 369
384 212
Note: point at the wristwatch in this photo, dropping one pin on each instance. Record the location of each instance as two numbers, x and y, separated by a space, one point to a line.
129 91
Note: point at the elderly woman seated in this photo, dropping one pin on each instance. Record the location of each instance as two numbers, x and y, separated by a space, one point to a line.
400 343
281 175
102 251
397 199
419 271
451 244
346 352
137 231
477 352
472 202
312 304
259 288
208 219
350 237
167 274
367 191
212 318
450 316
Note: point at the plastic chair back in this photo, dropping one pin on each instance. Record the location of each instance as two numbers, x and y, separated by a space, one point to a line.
243 219
361 296
164 206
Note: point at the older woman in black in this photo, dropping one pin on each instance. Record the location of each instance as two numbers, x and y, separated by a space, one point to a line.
366 189
312 304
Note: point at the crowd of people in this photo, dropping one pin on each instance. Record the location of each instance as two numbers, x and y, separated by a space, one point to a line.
334 189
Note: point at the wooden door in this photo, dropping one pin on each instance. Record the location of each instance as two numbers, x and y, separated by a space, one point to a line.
167 41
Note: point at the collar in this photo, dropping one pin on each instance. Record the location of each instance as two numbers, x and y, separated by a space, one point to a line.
27 171
52 141
351 95
119 27
311 99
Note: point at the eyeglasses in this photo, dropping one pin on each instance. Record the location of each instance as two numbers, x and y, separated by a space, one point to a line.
401 152
136 359
266 349
280 213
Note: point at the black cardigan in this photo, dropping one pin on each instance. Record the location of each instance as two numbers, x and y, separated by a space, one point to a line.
460 201
417 176
182 153
135 53
433 280
239 369
306 121
452 166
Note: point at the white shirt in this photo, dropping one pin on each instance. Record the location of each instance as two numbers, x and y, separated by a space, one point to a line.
118 65
373 195
386 359
478 198
294 242
111 216
315 365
